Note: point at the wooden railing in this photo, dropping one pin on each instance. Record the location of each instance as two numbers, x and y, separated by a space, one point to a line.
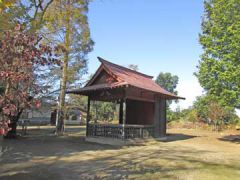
120 131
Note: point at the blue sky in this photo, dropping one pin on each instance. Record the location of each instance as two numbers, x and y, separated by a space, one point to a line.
157 35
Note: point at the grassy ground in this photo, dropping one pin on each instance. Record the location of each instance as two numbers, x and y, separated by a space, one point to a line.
187 154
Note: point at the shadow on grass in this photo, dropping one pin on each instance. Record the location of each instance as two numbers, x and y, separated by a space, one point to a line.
70 157
43 143
154 164
231 138
177 137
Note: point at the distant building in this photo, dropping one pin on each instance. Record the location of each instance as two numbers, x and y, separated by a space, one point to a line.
73 117
47 114
38 116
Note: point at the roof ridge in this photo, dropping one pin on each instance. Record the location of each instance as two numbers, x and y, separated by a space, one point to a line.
136 72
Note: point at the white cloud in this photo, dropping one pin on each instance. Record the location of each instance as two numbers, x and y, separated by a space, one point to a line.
190 90
238 112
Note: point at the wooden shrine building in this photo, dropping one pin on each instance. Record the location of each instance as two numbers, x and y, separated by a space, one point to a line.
142 102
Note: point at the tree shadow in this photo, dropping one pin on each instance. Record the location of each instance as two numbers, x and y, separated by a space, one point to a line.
42 143
46 144
70 157
164 163
171 137
231 138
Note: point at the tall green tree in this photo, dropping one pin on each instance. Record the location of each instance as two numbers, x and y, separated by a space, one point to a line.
67 25
219 67
168 82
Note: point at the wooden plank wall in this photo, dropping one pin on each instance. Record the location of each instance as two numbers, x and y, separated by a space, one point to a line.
139 112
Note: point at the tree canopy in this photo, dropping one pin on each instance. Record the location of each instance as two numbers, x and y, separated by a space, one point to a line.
20 57
218 70
168 82
66 24
61 23
133 67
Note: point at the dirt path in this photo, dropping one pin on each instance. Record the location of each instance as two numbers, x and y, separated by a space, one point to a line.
188 154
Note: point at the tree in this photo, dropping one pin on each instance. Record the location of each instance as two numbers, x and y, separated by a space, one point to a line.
216 114
12 12
67 24
218 70
99 111
103 111
201 105
133 67
168 82
174 115
192 116
30 14
27 12
20 57
207 102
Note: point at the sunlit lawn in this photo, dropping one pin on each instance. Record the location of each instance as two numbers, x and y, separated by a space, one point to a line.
188 154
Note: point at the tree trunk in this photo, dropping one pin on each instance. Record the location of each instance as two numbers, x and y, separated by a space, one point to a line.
61 109
60 123
13 132
13 125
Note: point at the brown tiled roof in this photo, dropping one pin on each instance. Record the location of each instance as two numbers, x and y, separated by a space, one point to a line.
126 77
99 87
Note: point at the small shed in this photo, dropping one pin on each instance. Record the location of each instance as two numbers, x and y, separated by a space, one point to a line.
142 102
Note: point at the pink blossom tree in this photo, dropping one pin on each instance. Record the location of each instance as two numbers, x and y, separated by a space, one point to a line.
21 56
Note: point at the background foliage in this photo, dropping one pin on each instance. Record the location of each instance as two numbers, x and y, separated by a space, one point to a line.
218 70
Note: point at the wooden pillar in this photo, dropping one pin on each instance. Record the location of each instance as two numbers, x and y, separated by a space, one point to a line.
121 112
163 118
124 111
88 114
160 120
157 118
124 118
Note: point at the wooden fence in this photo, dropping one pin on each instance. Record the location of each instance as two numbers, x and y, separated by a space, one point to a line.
120 131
